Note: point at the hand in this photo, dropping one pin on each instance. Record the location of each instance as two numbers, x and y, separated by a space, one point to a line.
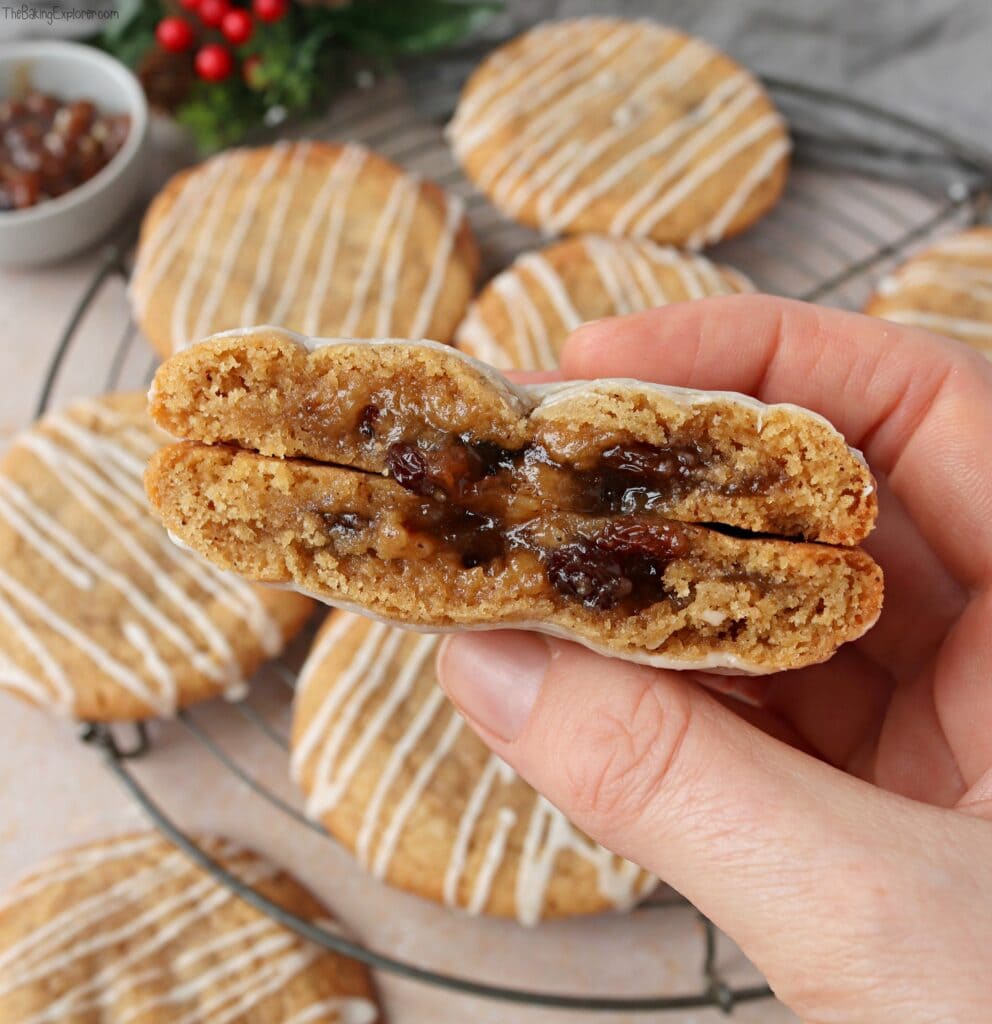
840 830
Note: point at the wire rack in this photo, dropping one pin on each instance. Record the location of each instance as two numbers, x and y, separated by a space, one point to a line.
866 189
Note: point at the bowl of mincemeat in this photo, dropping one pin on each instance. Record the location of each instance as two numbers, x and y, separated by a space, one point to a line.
73 128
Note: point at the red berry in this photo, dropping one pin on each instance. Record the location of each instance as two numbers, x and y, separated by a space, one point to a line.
189 5
214 63
237 26
270 10
174 35
212 11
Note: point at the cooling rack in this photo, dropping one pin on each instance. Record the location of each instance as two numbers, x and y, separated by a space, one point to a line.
867 188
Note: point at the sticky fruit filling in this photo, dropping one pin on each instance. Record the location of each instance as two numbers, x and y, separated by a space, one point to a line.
484 506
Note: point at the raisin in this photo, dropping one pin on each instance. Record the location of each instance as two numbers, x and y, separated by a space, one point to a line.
367 419
440 472
494 458
584 571
408 467
657 463
349 521
657 541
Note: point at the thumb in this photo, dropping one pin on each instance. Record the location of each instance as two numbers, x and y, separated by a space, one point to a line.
767 841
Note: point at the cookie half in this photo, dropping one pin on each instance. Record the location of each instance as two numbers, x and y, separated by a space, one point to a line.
393 772
326 239
946 288
524 314
418 485
623 128
101 616
132 929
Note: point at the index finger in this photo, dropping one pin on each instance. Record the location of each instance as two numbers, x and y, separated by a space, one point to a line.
918 405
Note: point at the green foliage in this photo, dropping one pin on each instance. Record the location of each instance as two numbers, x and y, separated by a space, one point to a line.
388 28
301 59
132 36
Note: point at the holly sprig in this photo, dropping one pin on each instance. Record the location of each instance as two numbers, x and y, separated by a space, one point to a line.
225 68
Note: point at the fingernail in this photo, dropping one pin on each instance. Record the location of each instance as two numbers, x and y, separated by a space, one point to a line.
494 678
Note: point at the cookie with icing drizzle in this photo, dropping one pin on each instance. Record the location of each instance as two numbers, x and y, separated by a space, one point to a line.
623 128
414 483
131 929
325 239
947 288
524 314
101 616
392 771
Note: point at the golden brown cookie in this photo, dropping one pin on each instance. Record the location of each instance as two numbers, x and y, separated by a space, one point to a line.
623 128
947 288
393 772
524 314
321 238
130 929
410 481
101 616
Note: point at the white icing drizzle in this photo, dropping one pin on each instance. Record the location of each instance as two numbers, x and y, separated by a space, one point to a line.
491 861
13 677
357 668
351 161
517 70
282 284
475 336
342 1010
265 259
376 251
652 293
673 73
328 790
946 267
394 661
405 682
976 329
128 497
391 263
572 61
221 979
466 828
960 278
548 834
156 253
554 287
529 328
340 178
453 217
235 240
198 262
629 270
716 114
101 477
391 833
507 173
714 230
766 129
610 268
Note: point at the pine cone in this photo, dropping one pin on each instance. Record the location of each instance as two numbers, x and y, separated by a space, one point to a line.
166 78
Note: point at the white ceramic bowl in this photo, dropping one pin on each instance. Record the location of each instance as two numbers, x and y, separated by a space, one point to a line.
59 227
